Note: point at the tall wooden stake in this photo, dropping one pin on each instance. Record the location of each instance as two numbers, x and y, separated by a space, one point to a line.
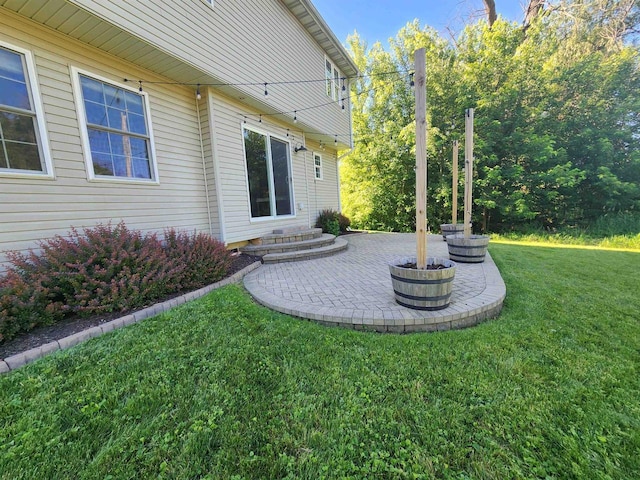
421 157
454 186
468 170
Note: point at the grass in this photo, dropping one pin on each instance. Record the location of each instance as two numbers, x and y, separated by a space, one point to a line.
620 231
223 388
614 242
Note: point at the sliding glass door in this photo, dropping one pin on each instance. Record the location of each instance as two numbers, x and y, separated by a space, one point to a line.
268 174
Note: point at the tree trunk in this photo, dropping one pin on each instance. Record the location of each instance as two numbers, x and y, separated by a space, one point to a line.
533 9
490 9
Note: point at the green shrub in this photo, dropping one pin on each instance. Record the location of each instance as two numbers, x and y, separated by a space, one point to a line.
344 222
199 259
328 221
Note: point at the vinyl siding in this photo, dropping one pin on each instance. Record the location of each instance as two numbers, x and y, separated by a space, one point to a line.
240 41
323 193
233 174
34 209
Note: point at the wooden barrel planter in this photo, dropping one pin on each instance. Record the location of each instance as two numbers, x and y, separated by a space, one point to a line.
451 229
422 289
467 250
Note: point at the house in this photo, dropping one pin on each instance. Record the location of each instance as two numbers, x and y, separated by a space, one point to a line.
186 114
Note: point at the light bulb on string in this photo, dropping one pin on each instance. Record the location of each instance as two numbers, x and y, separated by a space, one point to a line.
265 89
140 86
412 83
198 95
260 119
335 141
295 116
343 86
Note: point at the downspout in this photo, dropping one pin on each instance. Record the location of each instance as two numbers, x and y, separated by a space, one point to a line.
216 165
204 167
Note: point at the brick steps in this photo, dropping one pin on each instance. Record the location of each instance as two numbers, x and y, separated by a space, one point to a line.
295 243
290 235
261 250
338 245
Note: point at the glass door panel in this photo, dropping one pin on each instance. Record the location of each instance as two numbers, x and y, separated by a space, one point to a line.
281 176
255 147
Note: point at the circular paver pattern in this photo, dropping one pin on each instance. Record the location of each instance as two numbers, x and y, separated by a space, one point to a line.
353 288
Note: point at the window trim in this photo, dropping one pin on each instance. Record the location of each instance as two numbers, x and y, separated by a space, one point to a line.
43 138
283 139
318 168
84 132
335 89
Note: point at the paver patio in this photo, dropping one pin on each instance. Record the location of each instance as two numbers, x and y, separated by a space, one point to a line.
353 288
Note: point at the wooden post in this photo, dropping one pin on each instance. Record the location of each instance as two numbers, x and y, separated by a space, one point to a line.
468 170
454 186
421 157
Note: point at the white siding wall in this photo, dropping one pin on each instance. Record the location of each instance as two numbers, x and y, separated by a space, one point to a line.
238 41
229 120
32 209
323 193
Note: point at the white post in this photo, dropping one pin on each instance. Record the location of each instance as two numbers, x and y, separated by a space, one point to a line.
468 171
421 157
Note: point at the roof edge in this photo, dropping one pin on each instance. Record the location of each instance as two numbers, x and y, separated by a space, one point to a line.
326 30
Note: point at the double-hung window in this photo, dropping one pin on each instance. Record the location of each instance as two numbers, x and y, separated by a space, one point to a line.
333 80
23 138
116 129
317 166
268 174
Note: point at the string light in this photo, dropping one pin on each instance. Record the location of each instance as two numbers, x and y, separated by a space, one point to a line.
140 86
265 84
335 141
265 89
411 82
260 119
198 96
295 116
343 87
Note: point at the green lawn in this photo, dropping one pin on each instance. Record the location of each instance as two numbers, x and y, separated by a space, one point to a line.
222 388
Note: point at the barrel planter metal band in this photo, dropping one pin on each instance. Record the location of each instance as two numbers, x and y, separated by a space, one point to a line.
451 229
422 289
467 250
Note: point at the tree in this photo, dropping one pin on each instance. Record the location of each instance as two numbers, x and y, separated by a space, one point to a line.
557 121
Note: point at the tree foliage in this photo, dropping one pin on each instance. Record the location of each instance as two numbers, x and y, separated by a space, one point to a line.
557 121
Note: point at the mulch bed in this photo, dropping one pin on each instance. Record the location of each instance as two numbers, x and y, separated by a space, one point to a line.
69 326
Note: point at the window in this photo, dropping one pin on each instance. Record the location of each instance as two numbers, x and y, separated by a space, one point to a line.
117 134
333 80
23 137
268 174
317 165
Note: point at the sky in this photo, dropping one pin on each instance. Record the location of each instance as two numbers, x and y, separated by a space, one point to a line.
381 19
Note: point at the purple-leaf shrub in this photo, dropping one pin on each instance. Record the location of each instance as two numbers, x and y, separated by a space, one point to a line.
197 258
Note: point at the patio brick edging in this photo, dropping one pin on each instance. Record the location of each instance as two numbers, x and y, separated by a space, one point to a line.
20 359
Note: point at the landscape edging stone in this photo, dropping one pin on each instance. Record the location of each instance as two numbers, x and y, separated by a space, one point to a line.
23 358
